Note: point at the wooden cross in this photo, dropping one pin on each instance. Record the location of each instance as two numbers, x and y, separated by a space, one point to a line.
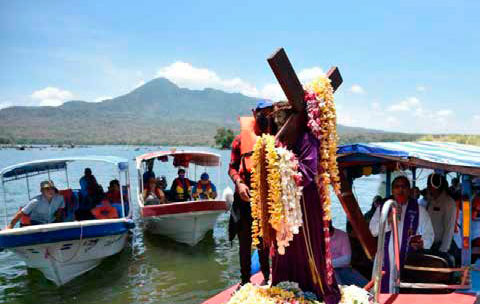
297 124
291 86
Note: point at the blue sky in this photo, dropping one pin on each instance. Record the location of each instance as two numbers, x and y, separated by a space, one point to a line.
409 66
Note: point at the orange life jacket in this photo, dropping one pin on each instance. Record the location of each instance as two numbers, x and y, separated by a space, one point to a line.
248 138
105 211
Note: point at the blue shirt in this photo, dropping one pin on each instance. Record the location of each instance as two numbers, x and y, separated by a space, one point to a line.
40 210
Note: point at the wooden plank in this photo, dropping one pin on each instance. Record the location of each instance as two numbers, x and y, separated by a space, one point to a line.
355 216
287 78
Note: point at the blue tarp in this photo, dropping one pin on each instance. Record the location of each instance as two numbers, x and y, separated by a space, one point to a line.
435 152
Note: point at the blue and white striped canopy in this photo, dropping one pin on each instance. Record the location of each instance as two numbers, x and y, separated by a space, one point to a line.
451 154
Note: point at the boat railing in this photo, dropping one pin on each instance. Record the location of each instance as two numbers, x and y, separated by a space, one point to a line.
390 208
378 265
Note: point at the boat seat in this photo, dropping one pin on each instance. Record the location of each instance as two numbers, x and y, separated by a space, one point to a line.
71 204
427 273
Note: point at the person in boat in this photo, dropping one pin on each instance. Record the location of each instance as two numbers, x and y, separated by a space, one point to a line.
455 189
152 194
341 257
415 229
239 170
305 259
113 194
88 183
149 173
43 209
181 189
204 189
442 210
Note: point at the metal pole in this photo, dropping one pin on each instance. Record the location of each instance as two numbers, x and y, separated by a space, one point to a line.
218 177
127 178
414 177
48 173
396 248
467 220
121 191
28 187
66 175
388 183
378 264
5 201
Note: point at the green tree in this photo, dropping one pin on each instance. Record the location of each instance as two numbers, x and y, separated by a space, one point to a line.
224 138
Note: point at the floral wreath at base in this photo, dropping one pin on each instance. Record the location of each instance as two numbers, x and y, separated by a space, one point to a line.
322 121
290 293
276 208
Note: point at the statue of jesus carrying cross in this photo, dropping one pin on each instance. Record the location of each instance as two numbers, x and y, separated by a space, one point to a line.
306 258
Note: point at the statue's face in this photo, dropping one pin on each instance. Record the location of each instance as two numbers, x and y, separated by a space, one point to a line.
280 118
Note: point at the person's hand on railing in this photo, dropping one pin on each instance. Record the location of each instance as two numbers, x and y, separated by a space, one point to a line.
416 242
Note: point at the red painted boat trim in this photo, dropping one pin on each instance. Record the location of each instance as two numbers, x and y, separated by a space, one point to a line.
225 295
184 207
452 298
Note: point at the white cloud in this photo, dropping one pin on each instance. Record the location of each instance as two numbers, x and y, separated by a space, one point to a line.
186 75
376 106
309 74
411 103
51 96
5 104
476 117
102 98
345 119
421 88
443 113
357 89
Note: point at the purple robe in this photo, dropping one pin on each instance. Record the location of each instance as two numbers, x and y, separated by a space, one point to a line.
294 266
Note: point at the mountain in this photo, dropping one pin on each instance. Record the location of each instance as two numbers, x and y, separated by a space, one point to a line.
158 112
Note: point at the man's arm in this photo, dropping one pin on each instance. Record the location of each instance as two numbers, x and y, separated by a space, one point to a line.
235 159
15 219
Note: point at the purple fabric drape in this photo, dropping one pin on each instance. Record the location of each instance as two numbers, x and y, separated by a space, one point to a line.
410 225
294 265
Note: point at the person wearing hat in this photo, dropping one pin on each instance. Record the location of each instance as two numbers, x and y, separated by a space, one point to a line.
240 167
181 187
204 189
42 209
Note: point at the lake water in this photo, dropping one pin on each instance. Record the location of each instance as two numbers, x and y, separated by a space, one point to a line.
151 269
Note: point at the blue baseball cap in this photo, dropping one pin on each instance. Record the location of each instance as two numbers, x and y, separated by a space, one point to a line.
204 176
262 104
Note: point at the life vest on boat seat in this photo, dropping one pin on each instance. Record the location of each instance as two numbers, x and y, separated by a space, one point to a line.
69 199
105 211
248 138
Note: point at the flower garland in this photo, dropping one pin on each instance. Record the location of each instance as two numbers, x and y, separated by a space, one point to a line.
291 194
290 293
322 122
280 209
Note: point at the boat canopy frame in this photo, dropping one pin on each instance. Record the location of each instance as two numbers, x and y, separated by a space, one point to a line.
26 170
